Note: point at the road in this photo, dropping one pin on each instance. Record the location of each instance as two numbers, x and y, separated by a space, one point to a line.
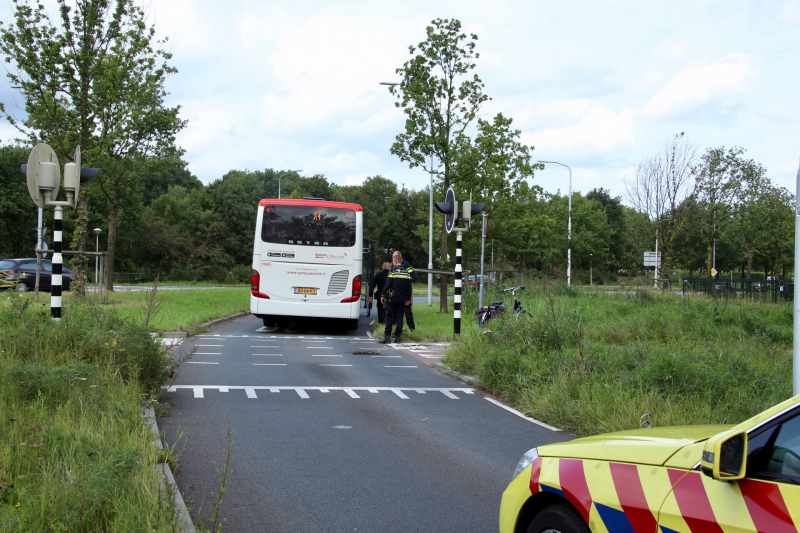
332 432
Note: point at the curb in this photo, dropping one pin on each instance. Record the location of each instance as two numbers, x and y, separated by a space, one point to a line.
469 380
224 319
167 479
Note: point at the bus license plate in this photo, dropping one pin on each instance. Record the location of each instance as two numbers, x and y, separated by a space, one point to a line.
304 290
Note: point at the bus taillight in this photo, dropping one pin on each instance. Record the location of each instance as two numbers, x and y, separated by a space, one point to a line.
356 291
255 282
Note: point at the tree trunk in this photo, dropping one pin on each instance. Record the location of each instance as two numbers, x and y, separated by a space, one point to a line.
749 264
113 217
79 285
709 260
443 282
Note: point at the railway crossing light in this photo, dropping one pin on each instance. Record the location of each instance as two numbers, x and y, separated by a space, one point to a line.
44 178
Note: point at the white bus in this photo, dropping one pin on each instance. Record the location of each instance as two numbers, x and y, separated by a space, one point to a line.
307 260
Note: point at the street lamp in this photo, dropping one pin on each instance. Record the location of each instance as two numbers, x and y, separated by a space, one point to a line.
430 221
96 249
282 175
569 227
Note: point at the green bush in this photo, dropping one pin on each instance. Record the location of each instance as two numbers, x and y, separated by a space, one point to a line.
75 454
589 362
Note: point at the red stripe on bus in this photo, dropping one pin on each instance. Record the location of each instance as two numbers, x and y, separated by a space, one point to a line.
573 483
309 203
631 497
693 501
536 469
767 508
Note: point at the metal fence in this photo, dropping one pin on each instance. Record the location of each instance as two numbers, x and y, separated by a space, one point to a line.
774 291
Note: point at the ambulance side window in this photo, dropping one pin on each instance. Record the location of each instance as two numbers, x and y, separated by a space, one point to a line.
774 454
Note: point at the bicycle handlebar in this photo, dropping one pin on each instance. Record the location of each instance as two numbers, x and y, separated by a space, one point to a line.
512 289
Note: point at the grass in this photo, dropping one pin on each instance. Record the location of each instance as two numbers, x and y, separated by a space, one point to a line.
75 454
593 362
180 310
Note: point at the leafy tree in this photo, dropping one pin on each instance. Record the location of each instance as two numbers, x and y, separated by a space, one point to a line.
17 210
721 177
94 79
441 97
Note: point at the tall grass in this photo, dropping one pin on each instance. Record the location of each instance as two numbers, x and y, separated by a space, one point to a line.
74 452
591 362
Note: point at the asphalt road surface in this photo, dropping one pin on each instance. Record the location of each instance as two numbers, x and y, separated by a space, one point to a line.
333 432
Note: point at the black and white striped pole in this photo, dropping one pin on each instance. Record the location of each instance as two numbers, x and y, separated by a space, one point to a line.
457 295
44 179
58 261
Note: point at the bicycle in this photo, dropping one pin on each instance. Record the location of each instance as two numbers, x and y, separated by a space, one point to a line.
495 309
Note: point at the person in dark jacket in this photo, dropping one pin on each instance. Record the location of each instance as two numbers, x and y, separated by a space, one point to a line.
396 295
377 289
408 310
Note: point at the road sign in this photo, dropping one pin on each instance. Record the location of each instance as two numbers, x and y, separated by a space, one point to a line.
713 271
652 259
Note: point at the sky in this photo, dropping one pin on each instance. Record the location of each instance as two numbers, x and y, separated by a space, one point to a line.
597 86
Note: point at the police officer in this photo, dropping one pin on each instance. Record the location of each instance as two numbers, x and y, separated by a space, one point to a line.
377 289
396 295
408 309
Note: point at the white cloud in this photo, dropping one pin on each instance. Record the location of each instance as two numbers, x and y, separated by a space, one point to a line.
699 84
600 130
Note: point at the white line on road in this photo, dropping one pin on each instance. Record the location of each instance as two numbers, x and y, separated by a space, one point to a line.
200 363
209 345
269 354
529 419
301 391
388 356
207 353
400 366
269 364
325 355
318 347
328 364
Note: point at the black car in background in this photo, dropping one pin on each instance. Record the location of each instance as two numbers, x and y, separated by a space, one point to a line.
25 271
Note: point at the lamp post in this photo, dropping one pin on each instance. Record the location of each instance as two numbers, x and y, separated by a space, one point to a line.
430 220
569 224
96 249
282 175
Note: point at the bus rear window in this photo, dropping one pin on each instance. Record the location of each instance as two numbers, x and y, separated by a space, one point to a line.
309 226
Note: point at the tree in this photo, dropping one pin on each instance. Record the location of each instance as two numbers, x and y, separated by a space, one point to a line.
96 80
659 186
441 98
721 178
17 211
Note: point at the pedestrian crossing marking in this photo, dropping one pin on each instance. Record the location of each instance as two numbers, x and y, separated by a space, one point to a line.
302 392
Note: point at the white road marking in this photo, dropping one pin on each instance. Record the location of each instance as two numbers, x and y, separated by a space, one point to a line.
318 347
200 363
325 355
400 366
269 354
269 364
209 345
250 391
312 341
328 364
207 353
529 419
388 356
